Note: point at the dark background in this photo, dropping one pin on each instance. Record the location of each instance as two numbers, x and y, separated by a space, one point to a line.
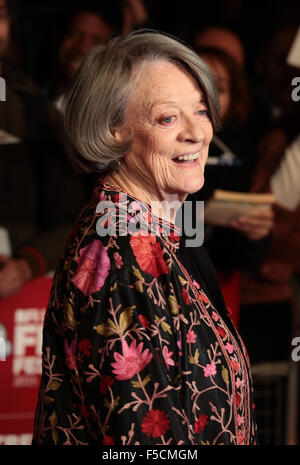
36 23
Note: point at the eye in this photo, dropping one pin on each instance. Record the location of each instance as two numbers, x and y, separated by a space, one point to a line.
203 112
168 119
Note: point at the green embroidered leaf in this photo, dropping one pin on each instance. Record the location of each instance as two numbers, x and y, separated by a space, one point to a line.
173 304
225 374
47 400
137 273
145 381
113 287
53 423
69 316
107 404
182 281
139 287
54 385
126 318
196 356
166 327
107 329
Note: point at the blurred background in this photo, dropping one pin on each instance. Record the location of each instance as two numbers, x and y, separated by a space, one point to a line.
248 47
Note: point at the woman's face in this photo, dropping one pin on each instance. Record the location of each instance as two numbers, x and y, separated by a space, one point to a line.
223 80
171 131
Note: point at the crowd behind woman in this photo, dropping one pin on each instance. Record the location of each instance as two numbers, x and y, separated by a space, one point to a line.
259 121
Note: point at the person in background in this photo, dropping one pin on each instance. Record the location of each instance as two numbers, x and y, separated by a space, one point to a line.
246 236
267 292
25 119
222 39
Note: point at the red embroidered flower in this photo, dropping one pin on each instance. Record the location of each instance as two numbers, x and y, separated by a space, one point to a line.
93 268
200 423
185 296
238 399
173 238
144 320
235 365
85 346
221 331
105 383
240 438
155 423
148 254
108 441
204 297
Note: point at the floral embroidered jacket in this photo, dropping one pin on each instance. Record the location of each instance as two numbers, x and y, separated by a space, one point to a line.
135 349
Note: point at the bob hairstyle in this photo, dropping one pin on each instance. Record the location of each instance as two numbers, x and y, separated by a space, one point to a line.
98 97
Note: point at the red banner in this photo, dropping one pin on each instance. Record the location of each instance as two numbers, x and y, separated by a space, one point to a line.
21 321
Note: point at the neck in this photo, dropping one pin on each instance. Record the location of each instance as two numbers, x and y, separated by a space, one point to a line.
163 204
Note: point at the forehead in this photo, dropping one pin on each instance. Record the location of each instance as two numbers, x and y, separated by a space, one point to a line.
164 81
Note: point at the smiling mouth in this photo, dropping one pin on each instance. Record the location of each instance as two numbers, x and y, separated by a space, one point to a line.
187 158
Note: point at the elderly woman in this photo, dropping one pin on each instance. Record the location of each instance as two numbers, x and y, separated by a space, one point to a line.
138 347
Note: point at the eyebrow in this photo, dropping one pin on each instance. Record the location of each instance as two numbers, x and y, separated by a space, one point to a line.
150 106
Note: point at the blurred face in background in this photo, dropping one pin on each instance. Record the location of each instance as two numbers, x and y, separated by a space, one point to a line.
4 28
85 30
222 76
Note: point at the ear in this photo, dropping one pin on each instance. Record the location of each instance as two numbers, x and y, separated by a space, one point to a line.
120 133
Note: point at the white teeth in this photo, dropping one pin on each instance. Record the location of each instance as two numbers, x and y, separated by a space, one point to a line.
189 156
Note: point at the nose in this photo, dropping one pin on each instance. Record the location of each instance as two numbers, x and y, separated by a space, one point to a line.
192 131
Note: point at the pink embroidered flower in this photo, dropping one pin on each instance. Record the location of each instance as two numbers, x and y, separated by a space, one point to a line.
85 346
210 370
93 268
191 336
179 341
229 348
215 316
70 354
132 361
196 284
155 423
240 419
118 260
168 357
134 207
200 423
238 383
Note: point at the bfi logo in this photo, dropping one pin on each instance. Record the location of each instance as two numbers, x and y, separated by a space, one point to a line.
2 90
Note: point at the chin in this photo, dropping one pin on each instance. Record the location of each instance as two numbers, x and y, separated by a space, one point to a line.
195 185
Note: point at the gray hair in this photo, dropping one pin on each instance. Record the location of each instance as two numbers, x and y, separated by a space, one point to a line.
98 97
